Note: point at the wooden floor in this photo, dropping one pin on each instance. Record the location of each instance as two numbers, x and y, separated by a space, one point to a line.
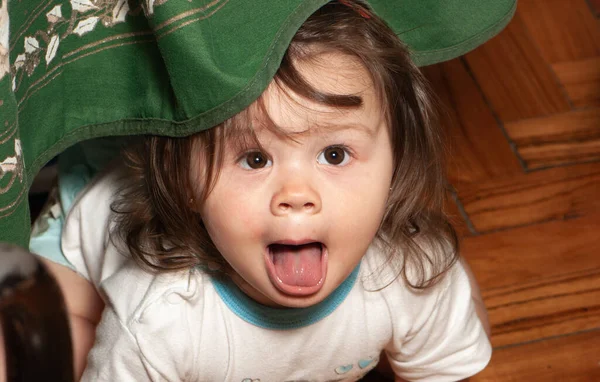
523 113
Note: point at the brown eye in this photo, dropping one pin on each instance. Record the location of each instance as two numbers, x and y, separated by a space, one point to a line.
254 160
333 155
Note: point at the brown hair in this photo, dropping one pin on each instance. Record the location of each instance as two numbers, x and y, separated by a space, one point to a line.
163 233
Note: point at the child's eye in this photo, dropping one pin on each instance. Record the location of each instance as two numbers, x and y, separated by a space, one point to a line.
254 160
334 155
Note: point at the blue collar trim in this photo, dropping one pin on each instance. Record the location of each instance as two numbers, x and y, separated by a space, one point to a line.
280 318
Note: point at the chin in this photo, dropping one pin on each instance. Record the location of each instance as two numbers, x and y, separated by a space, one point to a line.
299 302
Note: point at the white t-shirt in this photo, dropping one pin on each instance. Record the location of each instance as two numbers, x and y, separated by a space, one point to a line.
189 326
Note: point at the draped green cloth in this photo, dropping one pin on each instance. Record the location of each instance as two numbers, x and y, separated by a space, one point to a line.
72 70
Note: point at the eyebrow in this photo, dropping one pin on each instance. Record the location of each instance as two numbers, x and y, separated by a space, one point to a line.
247 138
370 131
326 128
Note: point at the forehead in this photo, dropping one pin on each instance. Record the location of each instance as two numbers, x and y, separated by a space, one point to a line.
329 73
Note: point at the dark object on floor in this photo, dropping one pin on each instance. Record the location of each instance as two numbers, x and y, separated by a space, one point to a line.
34 320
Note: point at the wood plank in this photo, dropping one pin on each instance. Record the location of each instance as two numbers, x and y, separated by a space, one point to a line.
514 76
528 318
559 139
527 254
539 281
581 80
562 30
572 358
455 215
478 147
554 154
523 199
571 126
594 6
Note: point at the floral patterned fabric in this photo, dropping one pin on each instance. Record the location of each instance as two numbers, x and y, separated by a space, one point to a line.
72 70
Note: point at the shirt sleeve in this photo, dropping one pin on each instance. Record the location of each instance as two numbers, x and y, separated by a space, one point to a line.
85 239
116 355
445 340
145 333
77 165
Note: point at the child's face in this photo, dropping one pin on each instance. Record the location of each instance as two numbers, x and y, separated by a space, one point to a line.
295 219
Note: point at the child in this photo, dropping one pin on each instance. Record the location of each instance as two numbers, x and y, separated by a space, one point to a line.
296 241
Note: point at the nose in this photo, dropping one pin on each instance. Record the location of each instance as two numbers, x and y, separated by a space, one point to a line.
295 198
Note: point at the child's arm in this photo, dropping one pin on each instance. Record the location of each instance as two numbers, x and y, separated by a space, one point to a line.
84 306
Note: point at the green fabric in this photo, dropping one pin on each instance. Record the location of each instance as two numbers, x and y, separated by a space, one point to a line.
82 69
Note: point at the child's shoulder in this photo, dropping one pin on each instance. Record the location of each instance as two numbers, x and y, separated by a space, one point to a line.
137 296
85 233
382 274
423 319
103 259
386 266
94 194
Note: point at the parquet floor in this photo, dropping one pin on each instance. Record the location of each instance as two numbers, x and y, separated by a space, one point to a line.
523 115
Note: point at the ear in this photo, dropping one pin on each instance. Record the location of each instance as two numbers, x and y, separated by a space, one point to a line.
192 202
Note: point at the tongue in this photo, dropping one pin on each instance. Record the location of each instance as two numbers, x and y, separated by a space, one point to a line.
298 265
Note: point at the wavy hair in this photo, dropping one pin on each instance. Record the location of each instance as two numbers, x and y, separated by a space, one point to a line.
163 233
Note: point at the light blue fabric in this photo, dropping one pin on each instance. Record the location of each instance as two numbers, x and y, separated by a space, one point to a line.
47 244
76 167
81 162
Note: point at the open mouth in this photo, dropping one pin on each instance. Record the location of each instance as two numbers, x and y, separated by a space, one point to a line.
297 269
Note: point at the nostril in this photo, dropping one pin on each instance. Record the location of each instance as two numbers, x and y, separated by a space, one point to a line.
288 201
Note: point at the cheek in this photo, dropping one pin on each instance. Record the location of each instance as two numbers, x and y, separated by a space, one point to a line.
230 215
365 215
359 207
